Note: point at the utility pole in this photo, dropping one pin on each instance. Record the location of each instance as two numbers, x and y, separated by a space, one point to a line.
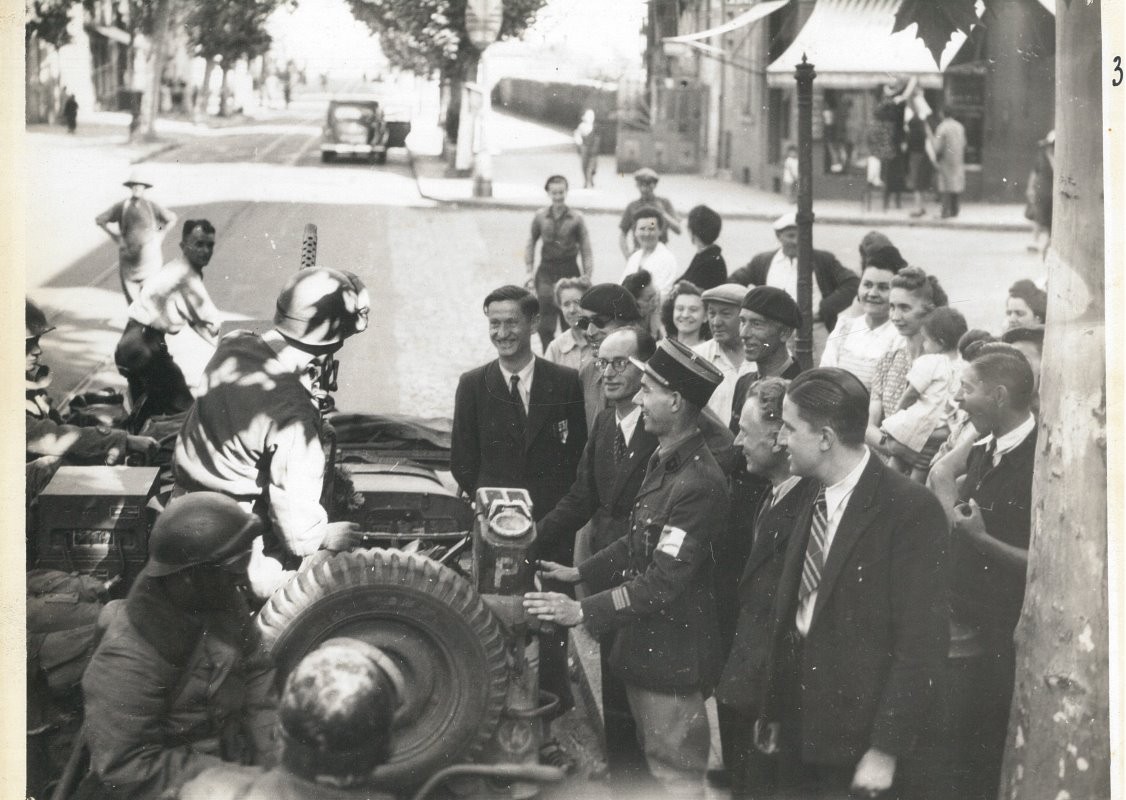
804 75
483 19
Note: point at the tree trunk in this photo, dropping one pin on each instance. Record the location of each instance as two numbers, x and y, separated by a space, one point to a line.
1059 739
205 90
150 106
224 95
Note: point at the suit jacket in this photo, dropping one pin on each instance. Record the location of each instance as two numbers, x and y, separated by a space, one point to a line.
654 585
602 493
744 674
878 638
837 283
487 448
743 387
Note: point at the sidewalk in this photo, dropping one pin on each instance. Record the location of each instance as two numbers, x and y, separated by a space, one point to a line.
526 152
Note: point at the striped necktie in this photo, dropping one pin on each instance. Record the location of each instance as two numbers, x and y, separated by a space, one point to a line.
620 445
815 550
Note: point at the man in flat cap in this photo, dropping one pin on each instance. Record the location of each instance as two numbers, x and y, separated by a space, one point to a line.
724 350
768 318
646 179
653 587
141 225
834 285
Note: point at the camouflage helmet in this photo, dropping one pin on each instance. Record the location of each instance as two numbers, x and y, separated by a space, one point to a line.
35 321
320 306
199 528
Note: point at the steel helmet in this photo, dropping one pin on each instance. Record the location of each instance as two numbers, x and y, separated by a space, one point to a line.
338 708
35 321
321 306
199 528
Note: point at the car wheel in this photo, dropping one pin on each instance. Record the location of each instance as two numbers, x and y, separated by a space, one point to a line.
430 620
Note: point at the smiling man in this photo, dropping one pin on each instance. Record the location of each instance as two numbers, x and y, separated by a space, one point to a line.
652 588
519 423
860 622
605 308
767 319
724 350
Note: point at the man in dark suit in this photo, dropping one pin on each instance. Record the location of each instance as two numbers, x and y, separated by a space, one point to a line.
860 626
519 422
610 473
765 532
834 285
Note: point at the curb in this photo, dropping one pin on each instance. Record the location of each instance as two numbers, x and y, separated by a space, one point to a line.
157 151
745 216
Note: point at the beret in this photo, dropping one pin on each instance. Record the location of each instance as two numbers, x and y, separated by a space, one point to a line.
730 293
611 300
773 303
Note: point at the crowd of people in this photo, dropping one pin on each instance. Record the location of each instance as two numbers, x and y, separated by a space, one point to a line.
825 551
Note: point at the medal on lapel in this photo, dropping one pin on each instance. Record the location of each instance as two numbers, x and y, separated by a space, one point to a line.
562 430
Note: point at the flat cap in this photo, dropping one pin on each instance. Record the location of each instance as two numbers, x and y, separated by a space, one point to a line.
646 174
680 369
729 293
611 300
787 220
139 177
773 303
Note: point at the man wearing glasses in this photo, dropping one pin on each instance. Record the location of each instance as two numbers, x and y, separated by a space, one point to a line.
605 308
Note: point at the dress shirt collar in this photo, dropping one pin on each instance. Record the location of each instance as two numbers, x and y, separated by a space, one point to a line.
839 491
783 489
525 375
628 423
568 342
1011 440
782 258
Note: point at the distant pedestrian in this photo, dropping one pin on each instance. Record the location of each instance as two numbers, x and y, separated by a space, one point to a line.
141 225
919 153
172 299
70 111
708 268
1039 194
790 174
589 142
652 254
646 180
950 157
886 138
564 239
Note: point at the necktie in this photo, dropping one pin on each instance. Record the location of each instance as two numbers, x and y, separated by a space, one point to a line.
514 391
619 445
815 550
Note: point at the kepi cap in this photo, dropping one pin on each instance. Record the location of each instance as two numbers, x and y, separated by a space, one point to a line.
775 304
611 300
730 293
787 220
680 369
646 174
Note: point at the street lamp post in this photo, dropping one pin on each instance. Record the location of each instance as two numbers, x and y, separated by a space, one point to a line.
804 75
483 19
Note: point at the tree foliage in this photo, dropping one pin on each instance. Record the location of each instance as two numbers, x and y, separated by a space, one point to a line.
47 20
230 29
424 36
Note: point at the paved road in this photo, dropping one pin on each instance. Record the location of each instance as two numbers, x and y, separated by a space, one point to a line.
428 266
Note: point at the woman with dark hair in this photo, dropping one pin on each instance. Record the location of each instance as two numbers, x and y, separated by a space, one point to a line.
683 316
858 343
913 296
640 285
1027 305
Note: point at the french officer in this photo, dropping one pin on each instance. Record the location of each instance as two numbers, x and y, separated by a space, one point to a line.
653 587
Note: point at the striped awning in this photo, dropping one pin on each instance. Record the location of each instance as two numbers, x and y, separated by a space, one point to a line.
851 46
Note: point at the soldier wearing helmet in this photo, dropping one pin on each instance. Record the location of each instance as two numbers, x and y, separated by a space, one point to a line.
51 442
335 723
141 225
254 433
180 681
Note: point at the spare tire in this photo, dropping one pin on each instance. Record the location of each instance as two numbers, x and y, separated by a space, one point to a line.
427 618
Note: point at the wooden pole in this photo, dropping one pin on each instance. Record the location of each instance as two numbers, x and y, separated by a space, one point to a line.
804 75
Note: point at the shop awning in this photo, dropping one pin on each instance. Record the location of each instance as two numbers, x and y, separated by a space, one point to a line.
114 34
753 14
851 46
1050 5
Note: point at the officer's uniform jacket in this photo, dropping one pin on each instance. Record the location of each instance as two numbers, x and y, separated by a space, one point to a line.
654 586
